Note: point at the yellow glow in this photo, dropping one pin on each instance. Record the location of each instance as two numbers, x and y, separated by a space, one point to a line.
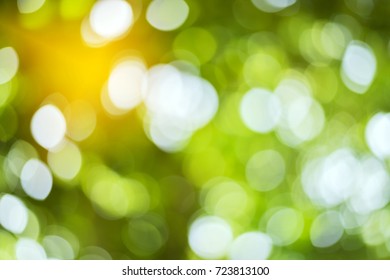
81 120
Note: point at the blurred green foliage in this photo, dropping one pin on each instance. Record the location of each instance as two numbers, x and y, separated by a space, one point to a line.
132 199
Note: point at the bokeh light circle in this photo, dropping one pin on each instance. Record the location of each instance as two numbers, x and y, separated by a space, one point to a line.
265 170
326 230
126 84
57 247
378 134
80 118
178 104
285 226
36 179
260 110
13 214
167 15
251 246
272 6
65 160
111 18
48 126
210 237
29 6
358 67
29 249
9 64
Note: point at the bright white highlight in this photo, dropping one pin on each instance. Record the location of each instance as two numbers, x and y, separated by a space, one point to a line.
342 178
178 104
167 15
329 181
65 161
378 135
210 237
89 35
48 126
358 68
36 179
111 19
13 214
260 110
29 249
29 6
126 84
251 246
265 170
9 64
372 190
